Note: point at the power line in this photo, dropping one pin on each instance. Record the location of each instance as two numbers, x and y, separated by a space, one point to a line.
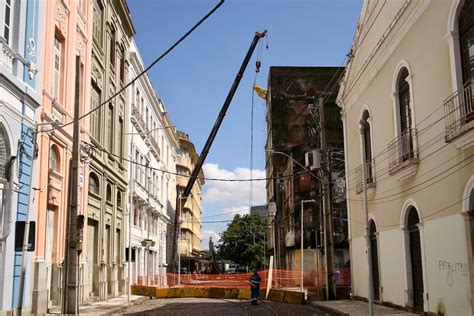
188 176
414 186
419 133
424 217
145 70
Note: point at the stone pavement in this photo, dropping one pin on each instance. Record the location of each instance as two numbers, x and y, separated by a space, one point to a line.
355 308
111 306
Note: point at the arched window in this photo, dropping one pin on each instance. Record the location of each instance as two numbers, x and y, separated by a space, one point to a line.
4 152
404 100
466 40
367 146
415 258
374 259
93 183
54 162
404 103
109 193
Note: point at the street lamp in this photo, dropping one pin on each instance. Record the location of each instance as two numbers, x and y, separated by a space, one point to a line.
26 232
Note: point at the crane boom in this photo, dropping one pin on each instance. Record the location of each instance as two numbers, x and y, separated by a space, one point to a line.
182 198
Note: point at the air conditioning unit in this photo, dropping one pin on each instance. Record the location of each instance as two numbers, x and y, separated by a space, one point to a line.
312 159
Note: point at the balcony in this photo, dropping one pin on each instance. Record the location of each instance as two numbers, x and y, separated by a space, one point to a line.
138 121
153 145
370 178
459 117
403 155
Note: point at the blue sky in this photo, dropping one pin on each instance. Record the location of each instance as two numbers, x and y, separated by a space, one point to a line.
195 78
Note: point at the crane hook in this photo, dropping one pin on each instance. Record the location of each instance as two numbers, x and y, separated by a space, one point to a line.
257 66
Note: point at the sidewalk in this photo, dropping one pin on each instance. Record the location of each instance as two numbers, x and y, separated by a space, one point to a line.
108 307
355 308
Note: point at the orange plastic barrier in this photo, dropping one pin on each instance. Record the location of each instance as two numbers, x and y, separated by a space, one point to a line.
281 279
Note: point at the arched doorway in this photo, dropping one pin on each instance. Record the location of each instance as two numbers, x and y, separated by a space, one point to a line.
415 258
375 260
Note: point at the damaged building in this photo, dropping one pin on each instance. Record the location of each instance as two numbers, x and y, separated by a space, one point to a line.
293 130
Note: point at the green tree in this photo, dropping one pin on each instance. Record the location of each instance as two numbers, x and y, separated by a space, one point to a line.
243 241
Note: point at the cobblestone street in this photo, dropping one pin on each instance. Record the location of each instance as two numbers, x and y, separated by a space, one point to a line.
205 306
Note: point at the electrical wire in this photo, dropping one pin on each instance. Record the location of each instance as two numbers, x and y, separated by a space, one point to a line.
144 71
408 189
188 176
423 217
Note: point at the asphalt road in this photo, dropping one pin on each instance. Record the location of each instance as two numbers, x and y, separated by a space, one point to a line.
217 307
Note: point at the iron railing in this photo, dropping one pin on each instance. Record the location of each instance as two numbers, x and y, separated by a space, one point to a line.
459 112
370 176
402 151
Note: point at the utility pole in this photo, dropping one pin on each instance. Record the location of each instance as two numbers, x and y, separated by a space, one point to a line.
328 239
367 227
73 239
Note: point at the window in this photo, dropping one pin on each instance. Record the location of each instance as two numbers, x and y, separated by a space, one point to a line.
109 193
404 100
4 153
110 128
119 199
93 183
146 117
138 99
120 138
112 47
137 167
54 159
367 146
405 114
466 38
97 21
57 77
95 116
122 65
7 27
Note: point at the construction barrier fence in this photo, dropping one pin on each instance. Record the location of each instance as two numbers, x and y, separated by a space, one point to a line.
281 279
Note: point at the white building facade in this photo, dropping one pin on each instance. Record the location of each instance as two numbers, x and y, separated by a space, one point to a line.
152 187
407 107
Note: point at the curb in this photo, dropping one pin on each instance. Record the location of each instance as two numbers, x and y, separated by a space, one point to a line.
124 306
328 309
275 295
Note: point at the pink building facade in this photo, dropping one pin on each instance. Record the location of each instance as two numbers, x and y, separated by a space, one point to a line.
66 38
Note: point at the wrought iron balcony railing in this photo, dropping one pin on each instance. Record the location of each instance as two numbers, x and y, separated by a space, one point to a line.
370 176
459 112
402 151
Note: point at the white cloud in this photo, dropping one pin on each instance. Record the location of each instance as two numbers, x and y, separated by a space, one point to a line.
233 193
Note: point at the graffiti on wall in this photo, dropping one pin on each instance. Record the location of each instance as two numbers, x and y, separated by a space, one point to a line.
453 269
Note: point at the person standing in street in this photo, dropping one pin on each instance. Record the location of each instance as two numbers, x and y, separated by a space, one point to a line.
255 286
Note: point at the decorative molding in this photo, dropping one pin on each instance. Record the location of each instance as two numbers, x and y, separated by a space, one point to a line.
365 75
60 18
464 141
406 172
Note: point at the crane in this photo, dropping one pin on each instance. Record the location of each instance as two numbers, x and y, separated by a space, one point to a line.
182 198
